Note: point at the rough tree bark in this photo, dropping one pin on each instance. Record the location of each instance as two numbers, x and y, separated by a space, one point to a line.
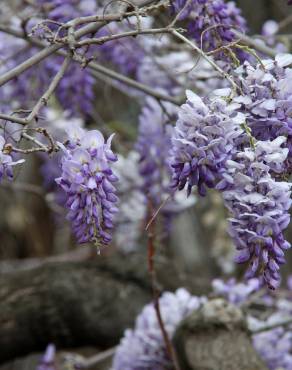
216 337
78 303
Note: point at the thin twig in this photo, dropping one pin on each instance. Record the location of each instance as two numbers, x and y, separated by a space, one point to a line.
205 56
176 18
43 100
104 39
33 139
95 23
272 326
255 44
49 50
52 87
96 359
97 68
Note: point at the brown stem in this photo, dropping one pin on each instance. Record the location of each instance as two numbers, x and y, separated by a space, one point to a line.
151 269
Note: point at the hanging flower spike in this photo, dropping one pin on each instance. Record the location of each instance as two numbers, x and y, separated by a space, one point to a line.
88 180
259 207
202 142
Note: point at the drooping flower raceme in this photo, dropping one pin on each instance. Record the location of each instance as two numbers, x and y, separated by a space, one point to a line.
143 348
202 142
259 208
87 179
267 99
210 22
153 145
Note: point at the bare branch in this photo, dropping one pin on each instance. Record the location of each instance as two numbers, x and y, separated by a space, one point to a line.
102 40
205 56
255 44
42 101
33 139
96 359
46 96
100 69
272 326
99 22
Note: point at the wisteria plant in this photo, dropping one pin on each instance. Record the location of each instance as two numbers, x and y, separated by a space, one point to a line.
214 115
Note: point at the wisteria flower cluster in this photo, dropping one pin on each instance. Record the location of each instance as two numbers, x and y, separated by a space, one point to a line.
266 98
259 207
215 145
88 180
210 22
143 347
202 142
153 145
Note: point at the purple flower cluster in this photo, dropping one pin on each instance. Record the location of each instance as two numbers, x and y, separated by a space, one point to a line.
125 53
275 346
87 179
236 293
75 91
153 145
202 142
210 22
259 208
65 10
267 99
143 347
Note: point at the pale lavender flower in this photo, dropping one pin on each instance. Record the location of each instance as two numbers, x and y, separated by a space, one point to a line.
236 293
153 145
202 142
143 347
60 125
87 179
267 99
259 208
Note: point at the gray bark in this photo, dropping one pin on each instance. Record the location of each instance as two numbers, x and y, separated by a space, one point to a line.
78 303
